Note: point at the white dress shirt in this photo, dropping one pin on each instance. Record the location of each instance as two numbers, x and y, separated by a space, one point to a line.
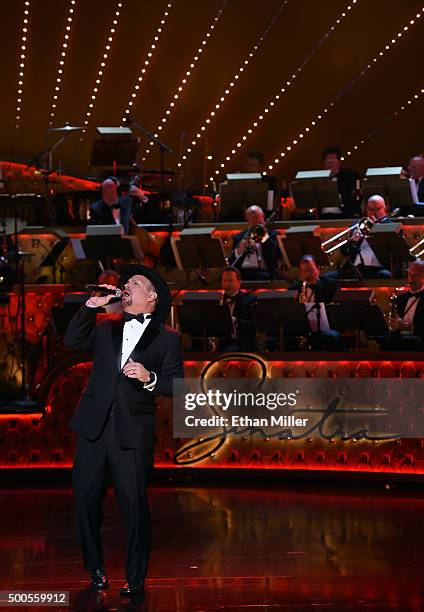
410 308
132 332
312 312
368 256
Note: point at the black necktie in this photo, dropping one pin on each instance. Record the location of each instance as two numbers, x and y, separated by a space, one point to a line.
140 317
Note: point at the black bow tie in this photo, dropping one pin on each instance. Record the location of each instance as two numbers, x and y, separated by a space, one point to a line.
115 206
139 317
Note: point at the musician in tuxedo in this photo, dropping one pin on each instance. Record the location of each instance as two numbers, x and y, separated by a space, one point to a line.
358 250
254 163
239 303
347 185
410 309
416 173
135 359
255 260
315 291
115 209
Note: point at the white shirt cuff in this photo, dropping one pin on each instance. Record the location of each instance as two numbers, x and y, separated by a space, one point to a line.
151 386
90 305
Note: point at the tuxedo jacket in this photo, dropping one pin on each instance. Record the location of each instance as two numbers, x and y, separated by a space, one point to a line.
420 190
101 213
418 320
246 328
270 251
158 350
325 289
346 184
351 249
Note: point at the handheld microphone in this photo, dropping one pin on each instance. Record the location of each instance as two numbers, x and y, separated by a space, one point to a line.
104 290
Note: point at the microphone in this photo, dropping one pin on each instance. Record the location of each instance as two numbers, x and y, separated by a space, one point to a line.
104 290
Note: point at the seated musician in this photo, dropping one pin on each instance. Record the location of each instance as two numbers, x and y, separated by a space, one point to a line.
239 302
416 173
254 163
358 249
315 291
408 330
256 251
347 185
113 208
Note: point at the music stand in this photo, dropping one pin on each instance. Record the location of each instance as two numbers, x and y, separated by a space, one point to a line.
276 312
239 191
388 183
314 189
197 248
115 148
346 312
106 245
389 244
299 241
201 315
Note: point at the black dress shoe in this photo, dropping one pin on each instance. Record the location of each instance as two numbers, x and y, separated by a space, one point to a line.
99 580
130 590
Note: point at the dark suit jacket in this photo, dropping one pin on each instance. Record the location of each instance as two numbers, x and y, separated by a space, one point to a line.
271 252
351 249
158 350
101 213
346 184
246 328
418 321
420 190
325 289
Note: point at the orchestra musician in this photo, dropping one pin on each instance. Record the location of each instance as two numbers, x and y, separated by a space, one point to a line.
254 163
113 208
239 302
348 185
255 251
315 291
407 320
358 250
416 177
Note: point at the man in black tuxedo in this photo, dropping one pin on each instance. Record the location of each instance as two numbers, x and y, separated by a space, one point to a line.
358 250
416 171
255 260
347 184
254 163
315 291
114 209
135 359
243 337
410 308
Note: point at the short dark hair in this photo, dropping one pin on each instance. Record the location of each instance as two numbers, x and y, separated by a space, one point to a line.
232 269
255 155
308 258
332 151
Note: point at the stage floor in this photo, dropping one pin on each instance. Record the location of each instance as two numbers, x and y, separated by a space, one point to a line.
244 546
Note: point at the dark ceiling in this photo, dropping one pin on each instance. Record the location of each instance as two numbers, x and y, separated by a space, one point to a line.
292 31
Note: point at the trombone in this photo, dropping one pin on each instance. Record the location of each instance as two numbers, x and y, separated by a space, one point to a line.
419 244
364 226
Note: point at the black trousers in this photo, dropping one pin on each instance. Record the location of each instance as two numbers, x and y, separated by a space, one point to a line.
96 461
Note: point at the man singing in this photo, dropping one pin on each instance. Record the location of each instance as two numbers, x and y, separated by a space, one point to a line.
135 359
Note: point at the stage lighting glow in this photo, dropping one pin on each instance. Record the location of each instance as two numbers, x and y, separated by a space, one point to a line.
136 89
350 85
100 72
230 86
62 56
21 65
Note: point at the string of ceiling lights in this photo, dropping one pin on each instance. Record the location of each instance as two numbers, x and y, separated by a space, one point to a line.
21 70
320 116
411 100
187 74
152 48
100 72
273 103
62 56
233 82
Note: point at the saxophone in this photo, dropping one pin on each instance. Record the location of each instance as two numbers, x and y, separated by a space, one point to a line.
302 293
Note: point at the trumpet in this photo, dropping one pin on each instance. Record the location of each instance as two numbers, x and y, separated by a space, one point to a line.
364 226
